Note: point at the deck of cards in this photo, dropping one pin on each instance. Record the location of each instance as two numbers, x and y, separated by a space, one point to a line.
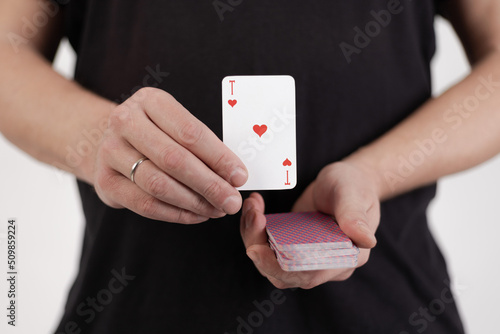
309 241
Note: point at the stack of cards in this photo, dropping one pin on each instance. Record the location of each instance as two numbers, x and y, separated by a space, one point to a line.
309 241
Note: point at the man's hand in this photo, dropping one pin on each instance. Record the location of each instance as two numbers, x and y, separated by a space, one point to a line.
344 190
190 175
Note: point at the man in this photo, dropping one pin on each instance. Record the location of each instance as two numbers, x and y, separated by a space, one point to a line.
367 133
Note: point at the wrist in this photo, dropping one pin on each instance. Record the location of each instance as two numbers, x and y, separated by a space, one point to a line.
91 138
362 161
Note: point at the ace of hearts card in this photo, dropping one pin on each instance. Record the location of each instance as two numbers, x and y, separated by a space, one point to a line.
258 124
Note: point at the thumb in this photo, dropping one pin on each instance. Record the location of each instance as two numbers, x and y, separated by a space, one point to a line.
305 202
253 221
350 209
354 222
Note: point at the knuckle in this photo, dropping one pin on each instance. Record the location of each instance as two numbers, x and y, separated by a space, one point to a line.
199 204
213 190
100 180
147 93
190 133
152 95
106 189
222 163
173 215
157 185
149 206
120 115
280 284
184 217
172 158
104 181
177 215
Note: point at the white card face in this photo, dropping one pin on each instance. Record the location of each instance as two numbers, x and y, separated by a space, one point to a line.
258 124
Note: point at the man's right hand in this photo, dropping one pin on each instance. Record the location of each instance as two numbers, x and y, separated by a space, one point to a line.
190 175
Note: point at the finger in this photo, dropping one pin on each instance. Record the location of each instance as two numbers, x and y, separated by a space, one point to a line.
253 231
265 260
161 186
192 134
255 201
158 184
350 210
253 221
127 194
181 164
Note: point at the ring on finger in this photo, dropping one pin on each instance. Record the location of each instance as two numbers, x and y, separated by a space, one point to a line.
134 168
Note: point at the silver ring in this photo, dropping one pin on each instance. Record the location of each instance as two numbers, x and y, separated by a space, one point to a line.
134 167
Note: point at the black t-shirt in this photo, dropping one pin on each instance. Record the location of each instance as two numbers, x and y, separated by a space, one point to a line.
360 68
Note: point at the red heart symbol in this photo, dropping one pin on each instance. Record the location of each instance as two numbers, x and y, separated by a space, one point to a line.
287 162
232 103
260 129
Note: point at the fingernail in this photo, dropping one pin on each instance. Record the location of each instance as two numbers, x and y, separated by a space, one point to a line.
231 205
238 177
254 257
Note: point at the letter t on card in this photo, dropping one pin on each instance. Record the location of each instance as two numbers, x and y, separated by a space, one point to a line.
258 125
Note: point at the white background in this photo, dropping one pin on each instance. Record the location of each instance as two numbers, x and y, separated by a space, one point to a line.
464 217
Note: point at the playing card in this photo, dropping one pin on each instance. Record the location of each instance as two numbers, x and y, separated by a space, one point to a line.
258 114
